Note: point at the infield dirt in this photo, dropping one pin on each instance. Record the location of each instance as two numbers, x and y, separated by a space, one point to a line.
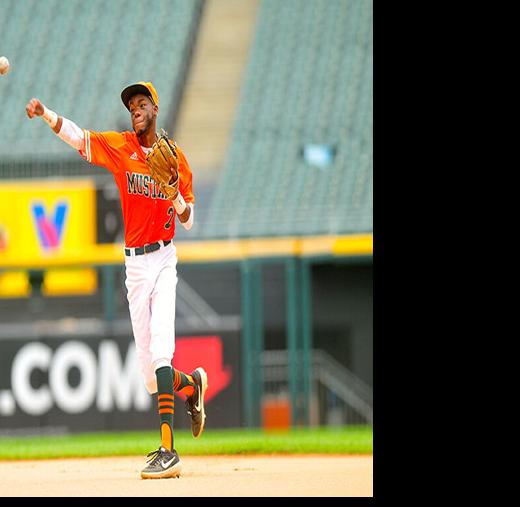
252 476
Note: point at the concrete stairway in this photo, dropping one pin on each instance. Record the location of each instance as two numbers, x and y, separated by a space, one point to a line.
208 106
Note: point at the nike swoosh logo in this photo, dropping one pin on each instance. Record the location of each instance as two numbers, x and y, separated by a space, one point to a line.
197 406
167 464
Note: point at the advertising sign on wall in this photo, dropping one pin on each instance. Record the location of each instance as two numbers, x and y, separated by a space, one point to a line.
45 218
40 220
94 384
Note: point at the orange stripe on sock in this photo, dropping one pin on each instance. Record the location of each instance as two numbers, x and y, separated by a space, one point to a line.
166 411
166 436
188 390
166 404
165 397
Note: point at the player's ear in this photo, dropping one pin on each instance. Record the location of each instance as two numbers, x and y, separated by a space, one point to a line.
155 110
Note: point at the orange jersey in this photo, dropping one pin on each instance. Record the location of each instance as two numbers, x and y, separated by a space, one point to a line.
148 216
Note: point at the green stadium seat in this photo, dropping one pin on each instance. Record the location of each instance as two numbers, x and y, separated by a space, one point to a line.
308 80
77 56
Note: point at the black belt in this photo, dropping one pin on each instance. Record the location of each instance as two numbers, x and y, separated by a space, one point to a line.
140 250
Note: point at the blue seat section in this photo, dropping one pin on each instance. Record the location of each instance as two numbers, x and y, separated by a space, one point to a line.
77 56
309 81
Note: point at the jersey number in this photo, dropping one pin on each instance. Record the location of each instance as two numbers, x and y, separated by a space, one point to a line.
168 224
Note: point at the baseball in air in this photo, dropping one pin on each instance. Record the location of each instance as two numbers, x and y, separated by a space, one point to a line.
4 65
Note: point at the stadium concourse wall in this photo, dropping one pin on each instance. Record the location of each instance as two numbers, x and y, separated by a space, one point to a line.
67 359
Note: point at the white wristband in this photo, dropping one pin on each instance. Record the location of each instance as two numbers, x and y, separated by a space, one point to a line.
180 204
71 134
50 117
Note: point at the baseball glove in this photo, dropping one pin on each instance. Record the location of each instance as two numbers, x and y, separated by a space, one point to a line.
164 165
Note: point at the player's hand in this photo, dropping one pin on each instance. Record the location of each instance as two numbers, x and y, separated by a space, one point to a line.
34 108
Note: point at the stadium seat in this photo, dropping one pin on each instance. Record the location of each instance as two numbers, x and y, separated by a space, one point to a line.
71 55
308 81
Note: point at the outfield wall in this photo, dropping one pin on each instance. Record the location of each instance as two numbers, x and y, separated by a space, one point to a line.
72 384
62 281
91 363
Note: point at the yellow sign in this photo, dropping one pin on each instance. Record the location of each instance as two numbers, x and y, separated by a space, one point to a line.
41 220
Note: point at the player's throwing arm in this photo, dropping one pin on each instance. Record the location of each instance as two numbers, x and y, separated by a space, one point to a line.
154 180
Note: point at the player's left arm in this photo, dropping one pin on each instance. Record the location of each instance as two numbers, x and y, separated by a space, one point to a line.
186 217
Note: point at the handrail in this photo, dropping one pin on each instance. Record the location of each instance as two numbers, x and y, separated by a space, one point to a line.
326 370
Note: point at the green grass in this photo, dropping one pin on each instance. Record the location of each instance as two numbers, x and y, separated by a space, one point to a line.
346 440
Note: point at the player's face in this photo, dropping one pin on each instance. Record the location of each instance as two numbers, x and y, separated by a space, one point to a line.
142 113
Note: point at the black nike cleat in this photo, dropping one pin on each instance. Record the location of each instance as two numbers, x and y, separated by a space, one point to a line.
195 402
162 464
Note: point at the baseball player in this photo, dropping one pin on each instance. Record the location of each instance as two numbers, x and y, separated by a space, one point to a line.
150 256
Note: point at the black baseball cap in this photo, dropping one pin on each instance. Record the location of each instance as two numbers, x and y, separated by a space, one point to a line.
141 87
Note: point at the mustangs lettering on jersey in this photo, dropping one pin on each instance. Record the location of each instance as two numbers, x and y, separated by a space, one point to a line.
123 156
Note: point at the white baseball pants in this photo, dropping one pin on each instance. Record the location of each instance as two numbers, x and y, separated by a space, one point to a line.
151 280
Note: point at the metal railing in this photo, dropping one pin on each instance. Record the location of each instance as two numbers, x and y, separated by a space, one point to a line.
338 396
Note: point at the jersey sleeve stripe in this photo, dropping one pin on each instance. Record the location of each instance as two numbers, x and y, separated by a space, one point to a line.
89 150
87 145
